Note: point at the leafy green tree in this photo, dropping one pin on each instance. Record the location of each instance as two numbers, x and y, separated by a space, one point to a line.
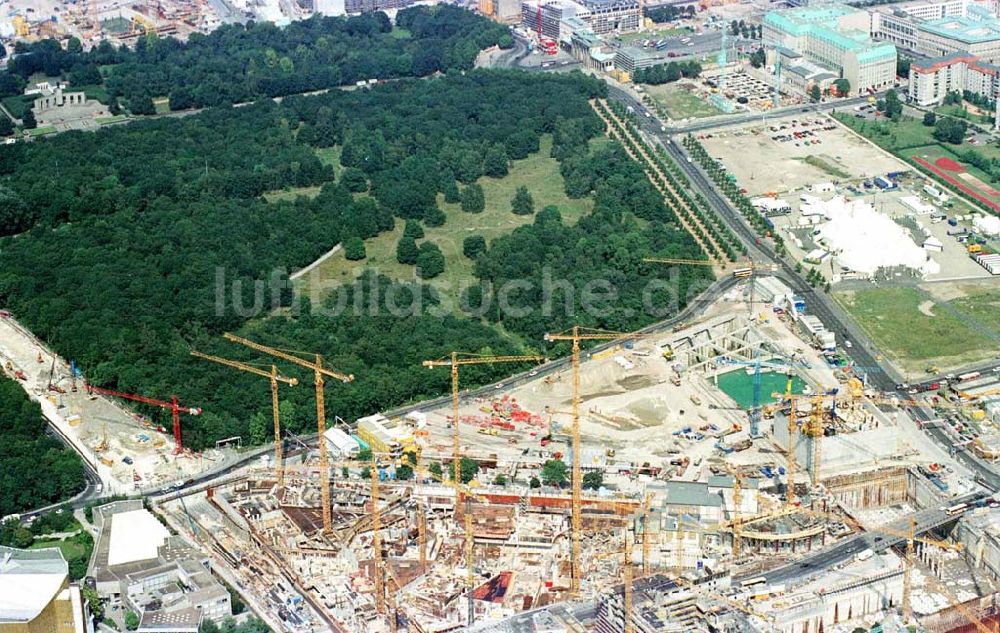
592 480
404 472
407 251
496 161
364 455
366 473
473 199
451 192
473 246
354 180
141 104
354 249
435 470
554 472
500 480
93 600
949 130
131 620
258 428
522 203
413 229
814 93
430 261
758 58
930 119
843 87
345 472
6 125
468 469
434 216
534 483
28 120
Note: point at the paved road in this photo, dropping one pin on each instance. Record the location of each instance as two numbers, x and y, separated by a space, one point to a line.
843 550
760 251
699 125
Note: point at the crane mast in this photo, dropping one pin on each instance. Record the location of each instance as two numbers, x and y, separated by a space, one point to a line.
575 336
274 378
319 371
172 406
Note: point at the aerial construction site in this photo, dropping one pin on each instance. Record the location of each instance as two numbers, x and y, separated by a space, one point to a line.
672 480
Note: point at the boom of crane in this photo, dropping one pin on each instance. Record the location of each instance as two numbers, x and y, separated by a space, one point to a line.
319 371
456 360
274 378
172 406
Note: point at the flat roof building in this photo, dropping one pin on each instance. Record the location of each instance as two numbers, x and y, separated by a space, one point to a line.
936 29
836 37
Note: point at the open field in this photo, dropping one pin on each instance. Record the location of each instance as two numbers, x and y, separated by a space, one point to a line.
762 162
680 103
914 329
655 34
911 140
539 173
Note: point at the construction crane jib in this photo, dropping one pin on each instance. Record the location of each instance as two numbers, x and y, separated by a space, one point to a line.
274 378
319 371
456 360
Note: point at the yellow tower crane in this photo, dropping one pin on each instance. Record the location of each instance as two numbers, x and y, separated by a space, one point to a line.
456 360
576 335
319 372
275 378
377 541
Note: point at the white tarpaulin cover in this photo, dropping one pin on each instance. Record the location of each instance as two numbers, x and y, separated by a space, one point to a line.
864 240
988 225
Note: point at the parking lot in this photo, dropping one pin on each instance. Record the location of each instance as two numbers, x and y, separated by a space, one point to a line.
791 153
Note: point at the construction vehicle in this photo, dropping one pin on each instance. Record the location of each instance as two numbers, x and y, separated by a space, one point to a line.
274 378
319 371
172 406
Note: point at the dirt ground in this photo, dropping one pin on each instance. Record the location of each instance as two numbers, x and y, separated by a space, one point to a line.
745 149
628 405
87 421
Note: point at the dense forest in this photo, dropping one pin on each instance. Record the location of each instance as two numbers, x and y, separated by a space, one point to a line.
122 246
35 470
238 63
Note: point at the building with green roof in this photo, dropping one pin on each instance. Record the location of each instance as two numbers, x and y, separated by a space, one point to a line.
835 36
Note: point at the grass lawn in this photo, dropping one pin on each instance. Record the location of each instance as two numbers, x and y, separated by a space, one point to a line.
893 318
42 131
539 173
292 193
162 105
68 548
18 104
331 156
908 132
655 34
400 33
825 166
104 120
93 91
679 103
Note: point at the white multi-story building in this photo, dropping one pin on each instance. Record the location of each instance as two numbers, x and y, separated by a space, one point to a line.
932 79
935 29
835 36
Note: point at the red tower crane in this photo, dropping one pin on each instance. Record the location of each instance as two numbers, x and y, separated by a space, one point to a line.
174 408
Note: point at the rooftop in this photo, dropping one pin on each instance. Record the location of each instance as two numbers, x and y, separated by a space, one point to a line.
29 580
965 30
135 535
824 23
